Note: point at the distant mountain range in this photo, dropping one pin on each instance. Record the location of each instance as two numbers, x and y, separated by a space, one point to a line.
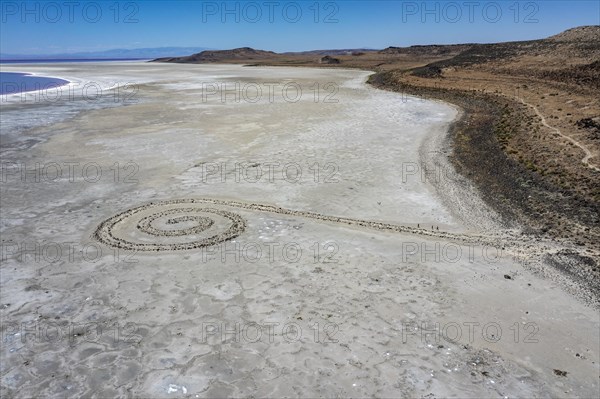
572 56
145 53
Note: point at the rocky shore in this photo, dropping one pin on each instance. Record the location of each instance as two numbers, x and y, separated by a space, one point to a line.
522 197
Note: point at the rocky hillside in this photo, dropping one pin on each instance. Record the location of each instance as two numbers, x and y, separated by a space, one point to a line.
573 55
243 53
434 49
589 33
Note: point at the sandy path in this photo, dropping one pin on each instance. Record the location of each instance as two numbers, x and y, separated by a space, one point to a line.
588 154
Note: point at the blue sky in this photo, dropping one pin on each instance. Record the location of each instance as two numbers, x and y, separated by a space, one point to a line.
55 27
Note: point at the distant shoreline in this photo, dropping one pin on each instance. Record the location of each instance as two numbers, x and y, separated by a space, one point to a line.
25 82
60 60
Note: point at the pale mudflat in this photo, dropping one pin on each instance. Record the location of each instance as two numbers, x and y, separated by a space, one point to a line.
270 246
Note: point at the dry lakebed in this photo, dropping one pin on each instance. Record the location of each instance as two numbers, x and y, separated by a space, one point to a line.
179 230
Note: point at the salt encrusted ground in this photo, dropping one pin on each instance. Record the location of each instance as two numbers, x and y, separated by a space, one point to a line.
298 303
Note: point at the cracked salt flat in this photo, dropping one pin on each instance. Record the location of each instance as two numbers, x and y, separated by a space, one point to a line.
166 305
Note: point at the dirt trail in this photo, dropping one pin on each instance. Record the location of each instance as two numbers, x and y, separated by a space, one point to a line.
588 154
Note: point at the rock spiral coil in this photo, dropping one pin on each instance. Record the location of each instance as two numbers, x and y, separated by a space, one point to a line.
154 227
